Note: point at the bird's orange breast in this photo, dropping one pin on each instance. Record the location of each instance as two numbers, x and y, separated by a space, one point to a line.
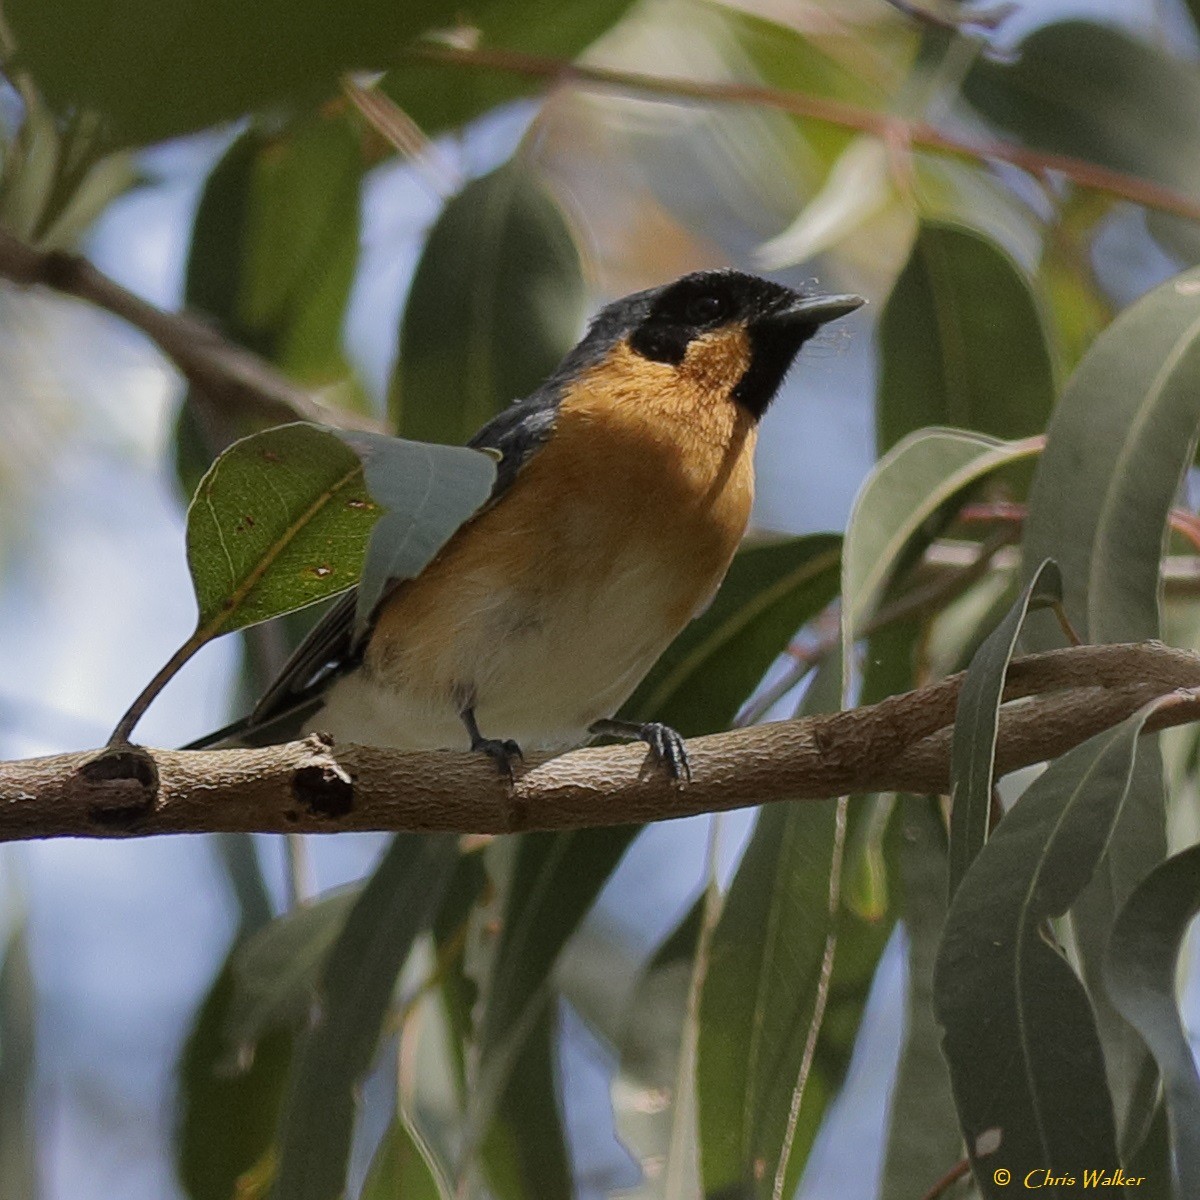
610 539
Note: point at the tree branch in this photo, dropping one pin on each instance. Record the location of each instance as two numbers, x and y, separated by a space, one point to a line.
232 380
1053 702
821 108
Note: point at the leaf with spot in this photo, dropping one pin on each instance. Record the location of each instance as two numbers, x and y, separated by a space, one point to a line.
281 520
291 516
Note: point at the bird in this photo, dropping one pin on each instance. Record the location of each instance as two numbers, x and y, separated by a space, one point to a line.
623 487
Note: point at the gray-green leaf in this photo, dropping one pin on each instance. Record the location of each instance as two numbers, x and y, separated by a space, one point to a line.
1139 973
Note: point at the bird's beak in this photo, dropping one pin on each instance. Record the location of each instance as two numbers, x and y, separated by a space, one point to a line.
816 310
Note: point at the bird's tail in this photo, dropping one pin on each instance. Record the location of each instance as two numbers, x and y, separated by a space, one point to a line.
246 731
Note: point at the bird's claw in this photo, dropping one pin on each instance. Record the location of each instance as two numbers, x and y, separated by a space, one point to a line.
502 751
668 749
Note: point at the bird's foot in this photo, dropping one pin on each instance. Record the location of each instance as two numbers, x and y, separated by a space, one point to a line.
666 745
503 751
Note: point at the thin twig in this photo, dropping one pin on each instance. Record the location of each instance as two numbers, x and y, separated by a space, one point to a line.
986 18
960 1170
232 379
938 592
820 108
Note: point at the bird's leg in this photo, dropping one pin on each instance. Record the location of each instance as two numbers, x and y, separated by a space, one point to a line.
665 744
503 751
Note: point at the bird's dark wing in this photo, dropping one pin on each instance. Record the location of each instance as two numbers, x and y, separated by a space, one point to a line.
516 434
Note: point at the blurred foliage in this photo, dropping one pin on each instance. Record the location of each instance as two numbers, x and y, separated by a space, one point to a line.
1003 199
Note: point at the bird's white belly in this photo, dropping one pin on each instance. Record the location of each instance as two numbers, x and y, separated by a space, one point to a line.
540 674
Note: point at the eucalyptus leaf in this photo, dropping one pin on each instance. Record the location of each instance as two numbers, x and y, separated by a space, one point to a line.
961 342
427 492
923 1134
400 1169
708 672
977 723
275 970
227 1111
1122 436
355 989
650 1047
908 487
440 96
18 1158
1139 972
279 521
282 519
496 301
555 880
525 1152
1029 1081
766 1068
1099 93
156 72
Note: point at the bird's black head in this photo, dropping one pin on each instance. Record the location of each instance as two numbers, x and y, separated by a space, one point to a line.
742 330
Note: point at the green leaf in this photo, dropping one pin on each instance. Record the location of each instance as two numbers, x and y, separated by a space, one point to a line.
227 1113
1029 1080
272 257
977 723
282 518
159 71
650 1047
356 986
239 856
400 1169
1094 92
275 970
18 1144
556 879
301 241
497 300
1121 438
525 1151
427 492
961 342
1123 434
440 97
279 521
771 957
909 486
923 1135
1139 972
705 676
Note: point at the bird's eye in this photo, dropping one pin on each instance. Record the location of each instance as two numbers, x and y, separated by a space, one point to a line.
704 308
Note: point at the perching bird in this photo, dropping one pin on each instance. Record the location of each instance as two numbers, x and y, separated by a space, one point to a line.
623 487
